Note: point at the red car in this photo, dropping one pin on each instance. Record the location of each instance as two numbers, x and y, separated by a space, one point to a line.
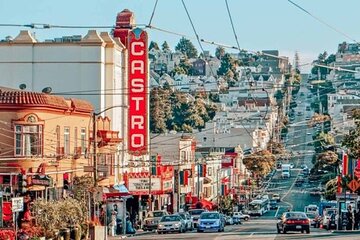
293 221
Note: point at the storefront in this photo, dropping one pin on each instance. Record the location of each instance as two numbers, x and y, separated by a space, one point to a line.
150 193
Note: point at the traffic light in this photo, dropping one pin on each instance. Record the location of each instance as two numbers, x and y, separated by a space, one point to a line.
22 183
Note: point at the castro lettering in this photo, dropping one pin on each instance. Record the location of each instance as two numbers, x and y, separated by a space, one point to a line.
138 90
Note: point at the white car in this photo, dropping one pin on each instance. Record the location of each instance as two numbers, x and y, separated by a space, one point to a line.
242 216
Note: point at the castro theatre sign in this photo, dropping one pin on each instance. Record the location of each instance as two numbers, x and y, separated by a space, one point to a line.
138 92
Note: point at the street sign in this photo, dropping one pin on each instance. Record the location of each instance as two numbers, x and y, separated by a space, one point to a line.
88 169
353 185
17 204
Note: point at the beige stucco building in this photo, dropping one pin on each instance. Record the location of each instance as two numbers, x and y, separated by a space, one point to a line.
46 139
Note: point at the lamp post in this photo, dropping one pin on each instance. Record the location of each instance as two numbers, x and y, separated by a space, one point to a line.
94 137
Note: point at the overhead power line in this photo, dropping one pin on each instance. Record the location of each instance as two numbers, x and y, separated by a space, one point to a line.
323 22
153 12
197 36
232 24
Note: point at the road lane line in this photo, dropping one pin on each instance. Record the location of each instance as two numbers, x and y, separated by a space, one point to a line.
277 211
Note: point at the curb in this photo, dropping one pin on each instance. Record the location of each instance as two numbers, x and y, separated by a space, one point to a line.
347 231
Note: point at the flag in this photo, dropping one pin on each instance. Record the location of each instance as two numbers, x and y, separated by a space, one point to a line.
339 189
345 164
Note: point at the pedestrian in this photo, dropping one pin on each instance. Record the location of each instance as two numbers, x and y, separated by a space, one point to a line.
357 219
350 218
112 223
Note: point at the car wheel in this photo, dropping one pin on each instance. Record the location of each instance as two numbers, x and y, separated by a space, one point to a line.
159 232
308 231
246 219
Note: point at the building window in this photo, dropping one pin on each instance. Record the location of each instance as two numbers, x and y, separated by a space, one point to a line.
83 140
28 140
75 141
66 140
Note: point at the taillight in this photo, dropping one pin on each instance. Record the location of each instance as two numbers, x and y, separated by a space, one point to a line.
307 221
290 221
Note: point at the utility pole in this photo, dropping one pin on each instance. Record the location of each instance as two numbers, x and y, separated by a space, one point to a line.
198 180
94 135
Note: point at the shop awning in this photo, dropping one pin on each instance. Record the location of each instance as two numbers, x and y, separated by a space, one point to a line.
207 204
116 191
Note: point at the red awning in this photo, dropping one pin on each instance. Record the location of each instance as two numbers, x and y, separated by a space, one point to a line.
207 204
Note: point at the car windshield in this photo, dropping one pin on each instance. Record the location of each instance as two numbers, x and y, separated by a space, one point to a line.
196 212
209 216
182 215
295 215
170 218
158 214
311 215
329 212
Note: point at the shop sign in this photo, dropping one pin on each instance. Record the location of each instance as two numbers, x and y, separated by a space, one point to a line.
138 92
17 204
167 185
41 181
141 185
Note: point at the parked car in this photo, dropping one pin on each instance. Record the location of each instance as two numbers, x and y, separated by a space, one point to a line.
188 222
273 204
195 215
276 197
211 221
293 221
152 220
171 223
229 220
236 220
242 216
332 222
313 219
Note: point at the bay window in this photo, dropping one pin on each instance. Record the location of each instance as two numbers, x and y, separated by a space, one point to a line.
28 140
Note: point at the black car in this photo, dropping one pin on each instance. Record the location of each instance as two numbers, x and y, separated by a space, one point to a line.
293 221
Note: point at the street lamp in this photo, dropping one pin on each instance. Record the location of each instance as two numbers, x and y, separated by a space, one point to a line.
94 135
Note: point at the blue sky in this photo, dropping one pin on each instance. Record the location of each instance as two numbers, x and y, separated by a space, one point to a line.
260 24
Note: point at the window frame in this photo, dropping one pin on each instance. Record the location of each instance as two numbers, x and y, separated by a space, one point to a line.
20 131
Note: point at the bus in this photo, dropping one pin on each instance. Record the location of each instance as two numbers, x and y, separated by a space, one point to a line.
259 206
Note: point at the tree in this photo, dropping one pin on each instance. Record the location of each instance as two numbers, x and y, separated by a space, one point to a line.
276 148
220 52
165 46
52 215
328 158
260 162
226 205
352 139
186 47
228 67
153 45
331 189
318 119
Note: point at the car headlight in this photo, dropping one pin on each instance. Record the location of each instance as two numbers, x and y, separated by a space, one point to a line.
160 225
177 224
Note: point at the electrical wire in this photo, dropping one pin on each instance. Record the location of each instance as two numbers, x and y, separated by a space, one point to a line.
197 37
323 22
232 24
153 13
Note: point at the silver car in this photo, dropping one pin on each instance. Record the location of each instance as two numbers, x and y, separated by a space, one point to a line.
188 222
171 223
